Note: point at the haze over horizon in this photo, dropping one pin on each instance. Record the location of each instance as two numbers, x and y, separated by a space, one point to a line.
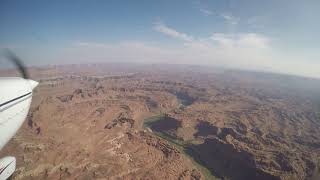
275 36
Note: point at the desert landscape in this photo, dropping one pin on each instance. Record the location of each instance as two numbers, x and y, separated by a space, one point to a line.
134 121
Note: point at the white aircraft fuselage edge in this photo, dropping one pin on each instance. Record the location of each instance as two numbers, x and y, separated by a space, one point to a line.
15 100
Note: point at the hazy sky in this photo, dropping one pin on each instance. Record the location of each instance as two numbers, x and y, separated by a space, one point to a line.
271 35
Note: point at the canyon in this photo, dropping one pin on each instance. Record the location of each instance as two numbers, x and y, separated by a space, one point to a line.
133 121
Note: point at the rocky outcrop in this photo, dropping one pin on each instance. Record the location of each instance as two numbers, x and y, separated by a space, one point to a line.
227 161
65 98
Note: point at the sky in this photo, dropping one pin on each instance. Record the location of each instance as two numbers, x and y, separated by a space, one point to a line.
275 36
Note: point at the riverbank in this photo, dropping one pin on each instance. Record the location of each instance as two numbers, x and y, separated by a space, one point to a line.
181 145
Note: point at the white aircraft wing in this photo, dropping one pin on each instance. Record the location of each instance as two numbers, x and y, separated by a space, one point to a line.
15 100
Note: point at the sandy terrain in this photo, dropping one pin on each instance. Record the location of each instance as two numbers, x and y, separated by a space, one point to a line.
86 122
